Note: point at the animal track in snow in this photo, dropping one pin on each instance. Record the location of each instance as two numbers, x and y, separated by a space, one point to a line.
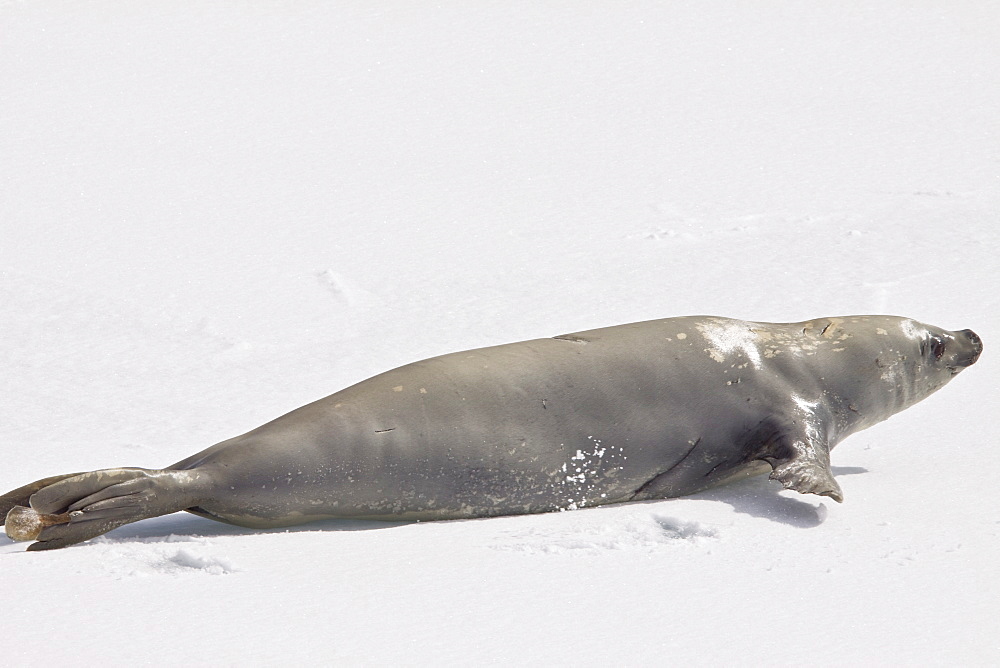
342 289
697 231
635 534
161 557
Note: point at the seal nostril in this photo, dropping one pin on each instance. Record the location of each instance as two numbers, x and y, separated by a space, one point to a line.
974 338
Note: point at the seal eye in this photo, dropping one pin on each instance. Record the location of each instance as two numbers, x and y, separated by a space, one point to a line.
937 347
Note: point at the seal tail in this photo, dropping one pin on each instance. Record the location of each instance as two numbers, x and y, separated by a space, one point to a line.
68 509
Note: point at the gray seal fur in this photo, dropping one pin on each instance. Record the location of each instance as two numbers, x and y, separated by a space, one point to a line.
647 410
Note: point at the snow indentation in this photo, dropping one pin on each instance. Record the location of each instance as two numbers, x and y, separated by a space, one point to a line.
645 533
145 558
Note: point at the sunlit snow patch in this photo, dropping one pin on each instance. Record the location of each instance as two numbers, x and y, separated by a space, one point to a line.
727 337
913 330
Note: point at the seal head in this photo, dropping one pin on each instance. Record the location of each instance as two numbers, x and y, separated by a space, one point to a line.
922 360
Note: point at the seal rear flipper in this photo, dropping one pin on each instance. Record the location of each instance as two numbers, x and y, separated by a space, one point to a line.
806 469
20 496
79 507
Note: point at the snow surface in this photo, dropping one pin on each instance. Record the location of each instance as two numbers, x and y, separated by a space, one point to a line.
213 213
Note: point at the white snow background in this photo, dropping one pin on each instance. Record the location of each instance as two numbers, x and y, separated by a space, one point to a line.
213 213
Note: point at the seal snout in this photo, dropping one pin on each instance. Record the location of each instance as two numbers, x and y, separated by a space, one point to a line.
968 357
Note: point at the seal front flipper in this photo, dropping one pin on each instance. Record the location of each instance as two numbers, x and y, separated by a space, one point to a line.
78 507
803 464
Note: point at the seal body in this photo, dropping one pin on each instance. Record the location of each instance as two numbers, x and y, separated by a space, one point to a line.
648 410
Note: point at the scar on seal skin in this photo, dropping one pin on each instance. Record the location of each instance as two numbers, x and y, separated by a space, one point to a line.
647 410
